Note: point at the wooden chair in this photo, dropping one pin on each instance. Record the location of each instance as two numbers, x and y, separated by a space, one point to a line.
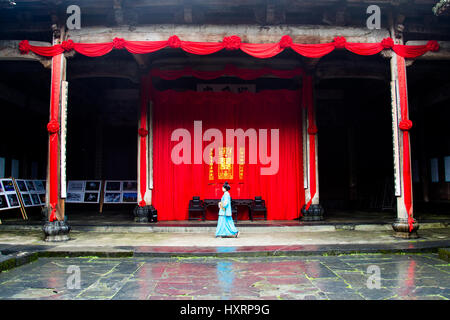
195 206
258 206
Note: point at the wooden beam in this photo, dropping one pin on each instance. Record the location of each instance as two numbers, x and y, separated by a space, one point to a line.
345 69
442 54
104 69
216 63
9 51
215 33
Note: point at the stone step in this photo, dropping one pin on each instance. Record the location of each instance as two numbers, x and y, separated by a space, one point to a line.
210 227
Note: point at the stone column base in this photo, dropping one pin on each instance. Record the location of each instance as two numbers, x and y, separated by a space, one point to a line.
314 213
56 231
401 229
145 214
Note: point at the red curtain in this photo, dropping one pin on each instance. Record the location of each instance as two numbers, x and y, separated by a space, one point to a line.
176 184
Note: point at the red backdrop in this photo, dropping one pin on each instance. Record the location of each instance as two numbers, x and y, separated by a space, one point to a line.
176 184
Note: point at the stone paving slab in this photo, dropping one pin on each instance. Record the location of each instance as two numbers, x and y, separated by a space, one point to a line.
205 244
207 239
343 277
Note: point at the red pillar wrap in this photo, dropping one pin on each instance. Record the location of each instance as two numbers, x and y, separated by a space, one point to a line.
53 134
405 125
312 130
143 133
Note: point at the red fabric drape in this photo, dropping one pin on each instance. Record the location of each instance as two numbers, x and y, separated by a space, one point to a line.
258 50
53 129
176 184
405 125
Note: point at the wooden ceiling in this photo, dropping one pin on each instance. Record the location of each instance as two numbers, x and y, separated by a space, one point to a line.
32 19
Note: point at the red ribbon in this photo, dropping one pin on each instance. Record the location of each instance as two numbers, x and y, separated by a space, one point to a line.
405 124
258 50
119 43
53 128
143 132
67 45
231 43
174 42
339 42
387 43
24 47
433 46
286 42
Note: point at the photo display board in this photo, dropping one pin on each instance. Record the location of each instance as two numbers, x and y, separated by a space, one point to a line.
83 191
32 193
120 191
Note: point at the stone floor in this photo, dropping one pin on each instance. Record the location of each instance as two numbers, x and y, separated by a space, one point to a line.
402 276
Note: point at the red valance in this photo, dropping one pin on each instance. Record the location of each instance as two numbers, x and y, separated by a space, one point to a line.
257 50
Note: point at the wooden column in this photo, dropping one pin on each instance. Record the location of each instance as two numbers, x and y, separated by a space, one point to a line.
405 226
148 154
53 190
312 209
145 210
55 228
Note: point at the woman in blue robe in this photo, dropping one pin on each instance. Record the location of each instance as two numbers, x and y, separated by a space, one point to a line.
225 225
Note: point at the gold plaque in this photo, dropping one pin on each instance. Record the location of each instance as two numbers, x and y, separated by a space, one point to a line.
225 163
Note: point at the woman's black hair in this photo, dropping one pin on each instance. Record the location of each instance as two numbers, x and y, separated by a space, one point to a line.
226 186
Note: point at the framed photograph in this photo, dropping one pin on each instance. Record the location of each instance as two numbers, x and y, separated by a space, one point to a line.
74 197
35 199
112 185
22 185
3 202
112 197
8 185
12 200
30 185
92 186
129 186
42 198
27 200
129 197
75 186
91 197
39 185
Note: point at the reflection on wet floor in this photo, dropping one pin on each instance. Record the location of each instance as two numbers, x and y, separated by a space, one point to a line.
412 276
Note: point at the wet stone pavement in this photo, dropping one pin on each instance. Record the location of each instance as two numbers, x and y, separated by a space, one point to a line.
408 276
